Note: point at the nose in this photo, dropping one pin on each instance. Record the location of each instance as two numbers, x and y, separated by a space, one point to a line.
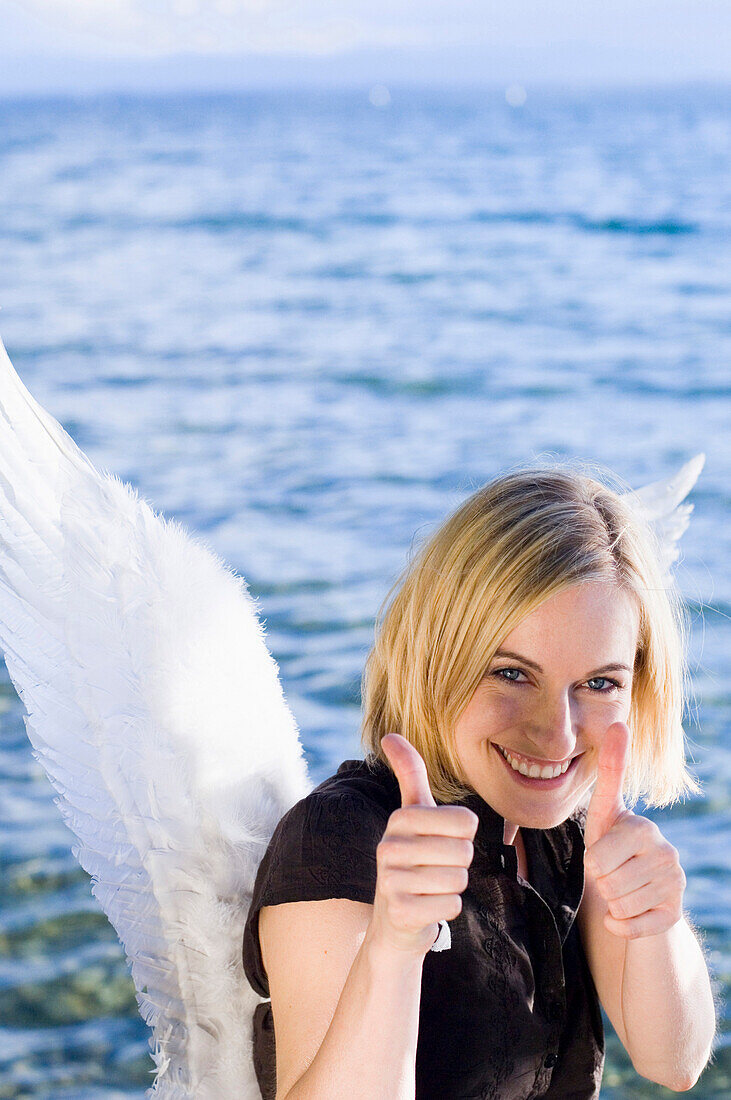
552 728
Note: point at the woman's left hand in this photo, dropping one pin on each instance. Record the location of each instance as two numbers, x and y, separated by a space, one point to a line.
636 870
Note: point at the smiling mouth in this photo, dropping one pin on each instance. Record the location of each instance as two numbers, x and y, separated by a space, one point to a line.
531 768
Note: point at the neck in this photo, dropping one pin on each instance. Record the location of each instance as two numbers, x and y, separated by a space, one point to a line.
509 832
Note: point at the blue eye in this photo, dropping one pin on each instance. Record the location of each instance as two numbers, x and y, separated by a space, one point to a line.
614 685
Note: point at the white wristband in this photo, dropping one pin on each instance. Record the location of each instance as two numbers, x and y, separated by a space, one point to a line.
444 940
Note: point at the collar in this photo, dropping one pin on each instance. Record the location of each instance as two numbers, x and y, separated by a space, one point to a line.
489 837
555 859
491 824
556 856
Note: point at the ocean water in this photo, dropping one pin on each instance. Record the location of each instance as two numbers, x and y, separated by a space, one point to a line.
307 328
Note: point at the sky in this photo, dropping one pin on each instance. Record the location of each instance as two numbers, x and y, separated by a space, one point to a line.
86 44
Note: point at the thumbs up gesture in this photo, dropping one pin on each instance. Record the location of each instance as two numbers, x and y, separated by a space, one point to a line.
422 858
635 869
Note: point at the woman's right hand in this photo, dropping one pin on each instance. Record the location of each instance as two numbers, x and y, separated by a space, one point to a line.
422 858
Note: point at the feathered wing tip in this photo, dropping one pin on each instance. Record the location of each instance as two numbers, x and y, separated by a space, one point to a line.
659 504
156 710
29 422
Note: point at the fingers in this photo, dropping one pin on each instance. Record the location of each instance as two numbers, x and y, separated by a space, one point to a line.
638 874
607 803
425 880
651 923
407 850
420 877
458 821
651 879
655 895
437 854
423 857
417 915
409 769
632 837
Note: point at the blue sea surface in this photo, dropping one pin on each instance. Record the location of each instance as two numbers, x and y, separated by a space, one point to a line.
308 328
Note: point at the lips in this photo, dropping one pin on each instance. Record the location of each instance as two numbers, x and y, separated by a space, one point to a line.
528 770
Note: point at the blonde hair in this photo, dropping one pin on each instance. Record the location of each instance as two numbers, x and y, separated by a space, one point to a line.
514 543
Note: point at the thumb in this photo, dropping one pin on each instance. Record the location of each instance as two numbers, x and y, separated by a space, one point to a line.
606 803
410 770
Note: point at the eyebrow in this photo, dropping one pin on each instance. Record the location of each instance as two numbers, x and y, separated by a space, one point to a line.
615 667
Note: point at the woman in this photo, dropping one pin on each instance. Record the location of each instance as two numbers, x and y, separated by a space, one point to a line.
442 919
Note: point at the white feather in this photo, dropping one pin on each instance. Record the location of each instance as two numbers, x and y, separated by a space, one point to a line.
659 504
156 709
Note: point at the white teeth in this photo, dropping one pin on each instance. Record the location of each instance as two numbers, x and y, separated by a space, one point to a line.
534 771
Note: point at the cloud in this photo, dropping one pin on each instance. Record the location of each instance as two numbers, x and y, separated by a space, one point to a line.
156 28
159 27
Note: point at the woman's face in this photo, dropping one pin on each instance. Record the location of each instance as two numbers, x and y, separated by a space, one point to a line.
549 703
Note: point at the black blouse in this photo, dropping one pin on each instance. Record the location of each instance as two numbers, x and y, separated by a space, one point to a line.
510 1010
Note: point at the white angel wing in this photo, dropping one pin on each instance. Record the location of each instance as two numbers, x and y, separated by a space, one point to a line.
156 710
659 505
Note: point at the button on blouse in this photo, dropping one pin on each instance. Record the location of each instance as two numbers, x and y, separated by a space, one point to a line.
508 1010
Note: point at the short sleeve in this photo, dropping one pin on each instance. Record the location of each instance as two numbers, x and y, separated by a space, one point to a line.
323 847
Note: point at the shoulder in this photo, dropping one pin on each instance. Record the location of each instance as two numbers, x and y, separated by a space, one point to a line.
324 847
328 839
368 782
357 798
